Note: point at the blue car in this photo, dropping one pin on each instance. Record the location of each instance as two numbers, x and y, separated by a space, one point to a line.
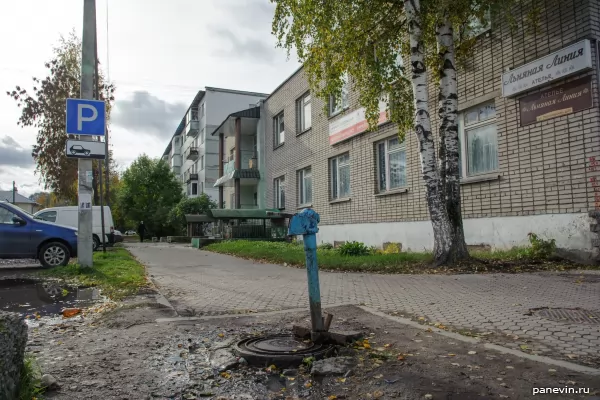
23 236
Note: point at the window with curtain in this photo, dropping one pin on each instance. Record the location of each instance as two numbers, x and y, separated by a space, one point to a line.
279 192
339 170
303 113
278 129
479 140
338 103
305 186
391 164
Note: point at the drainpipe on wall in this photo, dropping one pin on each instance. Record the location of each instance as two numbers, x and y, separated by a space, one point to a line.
221 158
238 161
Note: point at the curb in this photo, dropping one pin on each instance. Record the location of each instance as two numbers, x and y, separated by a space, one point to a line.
501 349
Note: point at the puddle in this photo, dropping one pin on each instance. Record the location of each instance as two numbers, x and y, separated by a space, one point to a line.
27 296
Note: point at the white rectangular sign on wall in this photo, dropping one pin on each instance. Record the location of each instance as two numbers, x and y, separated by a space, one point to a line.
560 64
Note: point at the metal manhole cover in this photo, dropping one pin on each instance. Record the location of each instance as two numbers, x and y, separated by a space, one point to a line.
569 315
281 350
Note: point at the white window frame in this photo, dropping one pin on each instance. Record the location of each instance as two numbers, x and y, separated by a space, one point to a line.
279 194
335 173
303 175
463 144
301 104
279 135
336 105
400 148
194 183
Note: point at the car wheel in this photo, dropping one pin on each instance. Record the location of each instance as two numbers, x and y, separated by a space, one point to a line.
54 254
96 243
87 153
73 152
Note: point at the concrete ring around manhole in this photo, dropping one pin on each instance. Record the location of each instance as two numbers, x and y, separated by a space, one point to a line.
281 350
568 315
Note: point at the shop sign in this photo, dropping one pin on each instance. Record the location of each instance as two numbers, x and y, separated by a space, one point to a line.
566 98
565 62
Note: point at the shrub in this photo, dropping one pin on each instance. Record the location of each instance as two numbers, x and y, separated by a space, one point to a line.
354 249
391 248
540 248
325 246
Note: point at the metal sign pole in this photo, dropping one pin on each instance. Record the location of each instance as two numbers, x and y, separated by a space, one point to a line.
97 97
85 168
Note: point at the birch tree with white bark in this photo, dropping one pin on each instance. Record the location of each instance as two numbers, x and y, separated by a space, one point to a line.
368 39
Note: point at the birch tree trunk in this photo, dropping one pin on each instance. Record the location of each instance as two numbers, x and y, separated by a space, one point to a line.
449 160
442 230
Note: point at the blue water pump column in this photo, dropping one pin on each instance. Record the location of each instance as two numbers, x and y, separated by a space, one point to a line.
306 223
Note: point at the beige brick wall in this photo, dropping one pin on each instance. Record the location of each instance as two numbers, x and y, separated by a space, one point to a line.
543 167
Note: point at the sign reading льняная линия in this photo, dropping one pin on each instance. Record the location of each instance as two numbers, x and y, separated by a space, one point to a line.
564 99
560 64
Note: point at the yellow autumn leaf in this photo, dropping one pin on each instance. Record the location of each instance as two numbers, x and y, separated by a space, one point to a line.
366 345
221 335
332 397
291 379
387 345
226 375
451 354
308 385
342 380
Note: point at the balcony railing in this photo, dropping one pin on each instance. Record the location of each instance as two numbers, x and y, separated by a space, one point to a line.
192 153
190 176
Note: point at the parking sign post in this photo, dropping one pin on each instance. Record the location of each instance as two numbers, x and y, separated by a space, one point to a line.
83 117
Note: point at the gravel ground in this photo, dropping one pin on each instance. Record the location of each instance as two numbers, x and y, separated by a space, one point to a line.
126 354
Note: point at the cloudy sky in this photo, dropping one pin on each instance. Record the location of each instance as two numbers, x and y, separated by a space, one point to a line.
158 53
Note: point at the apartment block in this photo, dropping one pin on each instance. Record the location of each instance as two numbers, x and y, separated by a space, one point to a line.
529 133
193 151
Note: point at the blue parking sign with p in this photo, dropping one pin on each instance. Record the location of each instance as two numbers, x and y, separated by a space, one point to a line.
86 117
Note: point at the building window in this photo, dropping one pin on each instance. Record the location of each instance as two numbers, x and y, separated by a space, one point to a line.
202 109
278 129
339 103
201 187
391 164
279 191
305 186
303 113
479 140
339 169
194 189
232 200
255 198
202 135
201 163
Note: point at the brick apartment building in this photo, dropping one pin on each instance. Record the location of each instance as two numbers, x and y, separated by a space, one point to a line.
528 159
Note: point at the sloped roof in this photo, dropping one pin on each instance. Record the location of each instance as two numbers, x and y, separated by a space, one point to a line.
7 195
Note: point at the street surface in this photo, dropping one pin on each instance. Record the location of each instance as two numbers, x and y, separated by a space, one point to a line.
203 283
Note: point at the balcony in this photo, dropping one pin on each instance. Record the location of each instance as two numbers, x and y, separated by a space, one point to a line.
189 176
176 170
192 123
192 153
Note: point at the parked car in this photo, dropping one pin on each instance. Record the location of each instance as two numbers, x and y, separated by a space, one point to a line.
69 216
130 232
118 236
24 236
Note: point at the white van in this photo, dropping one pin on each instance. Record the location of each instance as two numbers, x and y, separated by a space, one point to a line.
68 216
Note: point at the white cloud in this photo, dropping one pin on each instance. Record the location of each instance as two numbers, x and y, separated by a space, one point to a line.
167 50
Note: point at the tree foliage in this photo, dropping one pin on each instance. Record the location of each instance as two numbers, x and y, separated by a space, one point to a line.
44 109
148 192
195 205
392 51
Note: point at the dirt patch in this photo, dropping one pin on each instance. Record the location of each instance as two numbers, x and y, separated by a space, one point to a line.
127 355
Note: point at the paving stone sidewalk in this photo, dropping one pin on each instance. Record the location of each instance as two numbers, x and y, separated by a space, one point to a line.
200 282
